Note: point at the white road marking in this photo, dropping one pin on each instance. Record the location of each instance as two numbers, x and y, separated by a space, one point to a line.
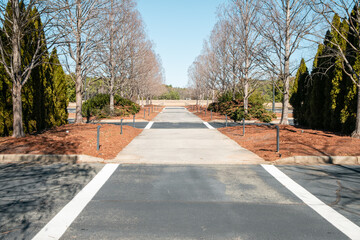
208 125
59 224
149 125
349 228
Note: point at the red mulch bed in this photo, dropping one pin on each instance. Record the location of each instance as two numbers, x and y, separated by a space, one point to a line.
72 139
200 112
293 142
154 111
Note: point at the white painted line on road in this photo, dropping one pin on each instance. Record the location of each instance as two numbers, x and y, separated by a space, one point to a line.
208 125
149 125
349 228
58 225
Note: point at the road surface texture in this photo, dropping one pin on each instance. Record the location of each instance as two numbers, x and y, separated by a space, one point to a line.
189 182
32 193
179 137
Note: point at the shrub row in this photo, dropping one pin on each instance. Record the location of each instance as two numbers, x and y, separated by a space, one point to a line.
99 107
235 110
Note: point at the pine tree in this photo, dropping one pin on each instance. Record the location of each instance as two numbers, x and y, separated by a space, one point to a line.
349 89
317 101
42 97
331 76
299 95
59 90
5 104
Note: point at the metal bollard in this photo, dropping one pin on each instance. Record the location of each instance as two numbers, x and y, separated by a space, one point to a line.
243 126
144 113
225 120
121 124
205 112
277 138
98 138
211 115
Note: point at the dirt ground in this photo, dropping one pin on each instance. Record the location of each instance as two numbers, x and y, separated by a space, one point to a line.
293 142
72 139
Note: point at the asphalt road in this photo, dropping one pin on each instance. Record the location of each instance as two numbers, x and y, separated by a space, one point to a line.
208 202
32 193
175 201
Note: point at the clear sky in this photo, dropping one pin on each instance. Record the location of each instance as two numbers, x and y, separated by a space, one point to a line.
178 29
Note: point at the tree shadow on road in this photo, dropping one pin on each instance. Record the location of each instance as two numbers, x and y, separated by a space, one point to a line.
32 192
338 185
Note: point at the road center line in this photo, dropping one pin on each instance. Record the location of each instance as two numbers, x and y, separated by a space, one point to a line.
149 125
59 224
349 228
208 125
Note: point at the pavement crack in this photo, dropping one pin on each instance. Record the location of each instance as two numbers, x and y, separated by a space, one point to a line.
338 194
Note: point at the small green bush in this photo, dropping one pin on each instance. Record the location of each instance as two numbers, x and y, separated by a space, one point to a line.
235 108
267 117
99 106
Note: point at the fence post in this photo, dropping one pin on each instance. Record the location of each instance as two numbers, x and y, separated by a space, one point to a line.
121 124
134 120
243 126
98 138
277 138
225 120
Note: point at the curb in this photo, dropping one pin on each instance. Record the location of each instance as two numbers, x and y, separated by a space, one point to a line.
27 158
315 160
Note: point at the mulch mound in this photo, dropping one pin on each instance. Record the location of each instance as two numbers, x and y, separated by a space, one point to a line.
293 142
72 139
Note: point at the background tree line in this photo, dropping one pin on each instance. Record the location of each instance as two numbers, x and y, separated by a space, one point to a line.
255 40
100 43
327 97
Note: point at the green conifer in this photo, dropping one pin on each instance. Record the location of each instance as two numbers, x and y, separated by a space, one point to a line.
59 90
299 95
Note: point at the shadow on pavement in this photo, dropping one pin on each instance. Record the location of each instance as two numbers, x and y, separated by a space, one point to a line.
337 186
31 193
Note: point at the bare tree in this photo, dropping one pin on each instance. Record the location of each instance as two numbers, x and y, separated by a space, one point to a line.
120 22
14 29
349 12
78 24
244 17
284 25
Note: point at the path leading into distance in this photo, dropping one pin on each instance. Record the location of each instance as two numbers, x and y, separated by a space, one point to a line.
187 181
179 137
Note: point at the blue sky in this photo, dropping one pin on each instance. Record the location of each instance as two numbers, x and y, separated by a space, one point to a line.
178 29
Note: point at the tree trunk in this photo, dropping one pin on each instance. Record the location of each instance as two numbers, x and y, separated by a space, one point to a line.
78 114
246 97
78 74
112 63
246 77
112 100
18 129
356 133
285 108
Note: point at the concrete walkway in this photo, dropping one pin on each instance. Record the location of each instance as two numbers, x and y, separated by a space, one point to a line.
180 137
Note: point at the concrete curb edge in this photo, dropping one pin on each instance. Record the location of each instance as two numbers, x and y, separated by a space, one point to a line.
318 160
23 158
